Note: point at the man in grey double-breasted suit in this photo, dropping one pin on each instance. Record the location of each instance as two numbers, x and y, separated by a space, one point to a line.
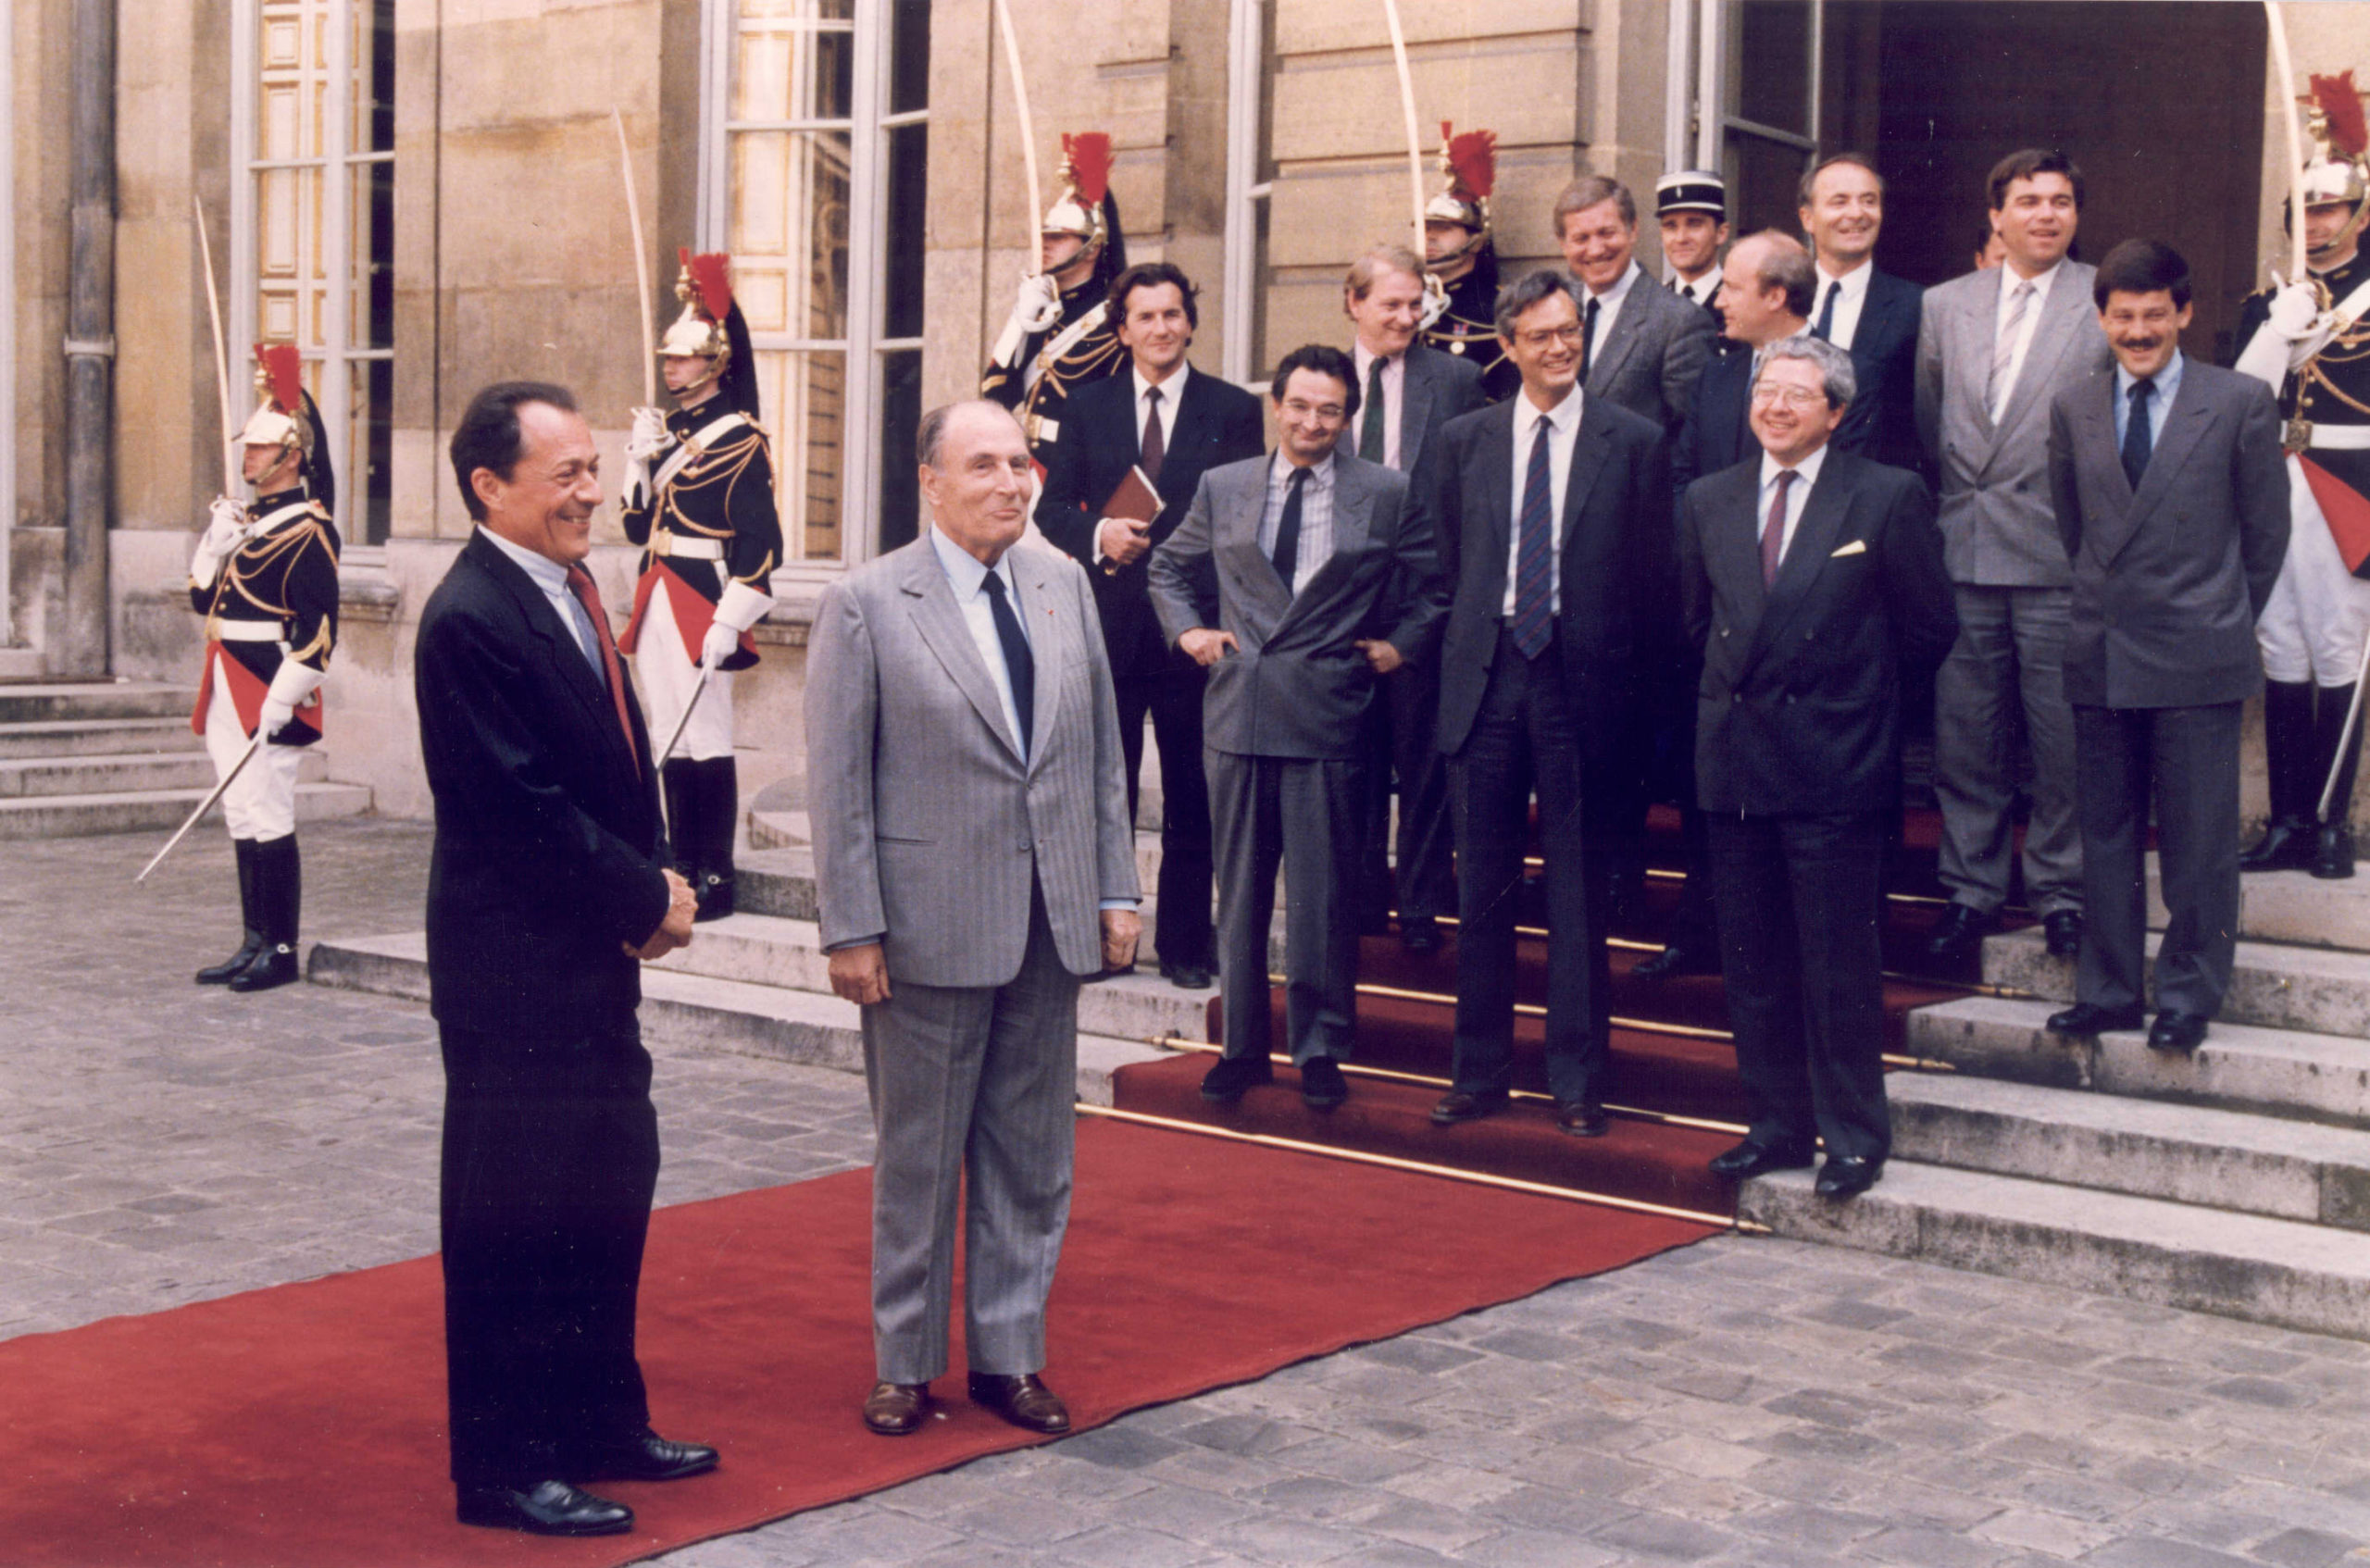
2171 494
1993 349
972 860
1298 579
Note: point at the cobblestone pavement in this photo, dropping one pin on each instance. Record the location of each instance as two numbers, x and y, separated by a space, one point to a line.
1738 1402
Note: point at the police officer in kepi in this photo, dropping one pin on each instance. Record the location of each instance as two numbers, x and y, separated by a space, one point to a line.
1060 335
699 499
264 578
1459 251
2309 341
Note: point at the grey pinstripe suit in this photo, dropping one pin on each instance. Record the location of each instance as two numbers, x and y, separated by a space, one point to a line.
980 867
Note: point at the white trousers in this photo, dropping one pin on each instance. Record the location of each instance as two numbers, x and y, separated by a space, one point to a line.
667 677
2313 627
261 803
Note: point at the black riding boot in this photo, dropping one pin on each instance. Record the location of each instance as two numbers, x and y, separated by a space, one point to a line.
221 974
719 789
2288 751
2333 851
678 777
279 895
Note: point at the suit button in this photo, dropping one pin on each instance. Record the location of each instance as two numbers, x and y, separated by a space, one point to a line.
1025 846
1790 699
1736 696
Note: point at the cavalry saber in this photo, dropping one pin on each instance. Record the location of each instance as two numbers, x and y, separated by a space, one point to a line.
1407 106
221 362
204 805
2346 739
667 751
2278 22
641 258
1027 125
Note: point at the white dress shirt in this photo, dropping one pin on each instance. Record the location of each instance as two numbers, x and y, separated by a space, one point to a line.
1563 433
1848 305
1608 305
1700 290
1315 546
1394 400
2033 308
1170 390
1798 494
552 578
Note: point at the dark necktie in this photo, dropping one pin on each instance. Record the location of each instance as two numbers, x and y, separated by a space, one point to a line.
1019 664
1773 531
1287 556
580 582
1372 440
1825 330
1155 446
1535 552
2136 441
1587 338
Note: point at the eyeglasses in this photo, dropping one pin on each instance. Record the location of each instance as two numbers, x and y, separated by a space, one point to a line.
1792 397
1546 335
1325 411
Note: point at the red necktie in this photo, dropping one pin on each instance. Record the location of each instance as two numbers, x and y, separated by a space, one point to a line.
1773 532
1156 445
580 582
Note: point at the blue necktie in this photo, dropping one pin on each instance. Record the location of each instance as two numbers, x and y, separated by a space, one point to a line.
1287 556
1019 664
2136 441
1535 555
1825 330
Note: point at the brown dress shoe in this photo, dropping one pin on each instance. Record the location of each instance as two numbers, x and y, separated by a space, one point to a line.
1581 1119
895 1410
1456 1106
1021 1399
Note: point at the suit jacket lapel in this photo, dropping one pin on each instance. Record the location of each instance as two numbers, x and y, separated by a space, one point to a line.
1605 362
1415 414
559 638
1497 522
2052 334
939 621
1590 446
1732 551
2174 445
1806 553
1353 517
1043 618
1238 504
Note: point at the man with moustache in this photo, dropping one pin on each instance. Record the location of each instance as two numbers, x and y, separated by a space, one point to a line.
1869 314
549 882
1993 348
1407 392
1176 425
1640 349
1813 581
2171 494
1554 514
1692 209
972 862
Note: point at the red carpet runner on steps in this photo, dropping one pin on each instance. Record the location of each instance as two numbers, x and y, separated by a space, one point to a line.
301 1427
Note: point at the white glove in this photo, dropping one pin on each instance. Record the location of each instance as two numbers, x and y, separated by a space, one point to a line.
226 529
291 687
1038 305
720 644
649 436
2295 310
636 496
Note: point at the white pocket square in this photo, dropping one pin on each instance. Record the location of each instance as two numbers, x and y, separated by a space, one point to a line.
1857 547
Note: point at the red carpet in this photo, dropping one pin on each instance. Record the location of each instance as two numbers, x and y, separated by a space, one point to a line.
302 1426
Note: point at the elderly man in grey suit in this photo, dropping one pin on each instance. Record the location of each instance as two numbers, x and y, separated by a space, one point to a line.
1298 580
1406 392
972 861
1993 348
2171 492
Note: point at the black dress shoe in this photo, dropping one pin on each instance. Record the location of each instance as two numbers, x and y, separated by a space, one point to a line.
1021 1399
1421 936
646 1457
2182 1032
1958 934
1321 1084
1186 977
2083 1018
895 1410
222 974
1458 1106
1676 959
2332 855
1752 1159
276 966
1581 1119
1236 1076
2287 845
2061 932
1843 1177
547 1508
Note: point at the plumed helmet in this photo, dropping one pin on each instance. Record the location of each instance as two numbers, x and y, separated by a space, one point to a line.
713 329
289 419
1469 166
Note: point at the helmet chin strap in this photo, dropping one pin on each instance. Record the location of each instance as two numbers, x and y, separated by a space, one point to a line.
716 363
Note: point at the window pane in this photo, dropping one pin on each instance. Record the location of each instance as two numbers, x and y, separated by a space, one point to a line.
908 55
364 494
804 397
789 231
370 252
901 418
900 261
1774 63
371 109
1768 174
792 72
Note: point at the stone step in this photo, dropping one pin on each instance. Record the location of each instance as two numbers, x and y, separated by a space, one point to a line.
32 702
2148 1149
684 1011
2281 986
21 666
2291 906
2277 1272
2292 1074
140 811
98 736
25 778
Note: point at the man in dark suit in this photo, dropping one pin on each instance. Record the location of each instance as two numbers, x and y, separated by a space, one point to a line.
1814 582
1299 581
1176 423
2171 490
1407 392
1643 346
1560 586
1871 315
549 880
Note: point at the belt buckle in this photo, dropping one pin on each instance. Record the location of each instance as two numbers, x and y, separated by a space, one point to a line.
2296 435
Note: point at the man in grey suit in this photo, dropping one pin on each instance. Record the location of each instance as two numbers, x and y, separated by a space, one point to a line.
2171 492
1642 348
1407 392
1993 348
1298 580
972 860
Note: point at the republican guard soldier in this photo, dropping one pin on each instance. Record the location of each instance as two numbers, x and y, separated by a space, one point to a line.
1060 335
1461 253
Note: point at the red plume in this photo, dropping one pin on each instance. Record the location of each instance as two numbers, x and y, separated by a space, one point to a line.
2341 107
1472 159
1088 153
283 375
711 281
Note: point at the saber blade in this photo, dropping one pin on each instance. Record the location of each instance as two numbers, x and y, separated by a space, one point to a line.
203 806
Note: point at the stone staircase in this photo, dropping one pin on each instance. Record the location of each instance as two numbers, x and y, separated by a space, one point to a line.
82 757
2236 1182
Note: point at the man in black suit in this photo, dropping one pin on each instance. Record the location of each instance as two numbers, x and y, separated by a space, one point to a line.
1407 392
549 881
1176 423
1811 580
1559 584
1869 314
2171 492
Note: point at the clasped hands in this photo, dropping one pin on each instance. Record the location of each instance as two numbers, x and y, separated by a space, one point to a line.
860 974
675 931
1207 647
